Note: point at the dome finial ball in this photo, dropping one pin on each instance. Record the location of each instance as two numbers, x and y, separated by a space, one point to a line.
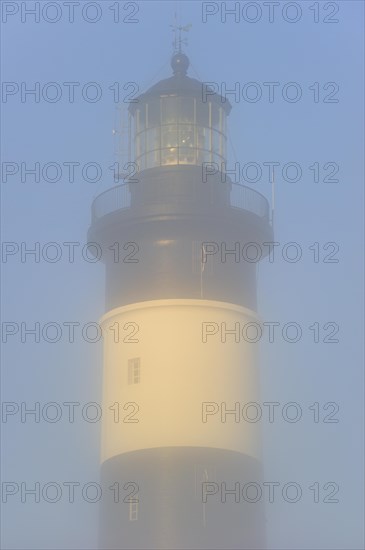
180 63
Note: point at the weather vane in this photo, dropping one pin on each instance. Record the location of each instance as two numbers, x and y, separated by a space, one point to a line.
178 40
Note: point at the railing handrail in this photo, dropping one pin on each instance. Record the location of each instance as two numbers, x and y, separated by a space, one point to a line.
118 198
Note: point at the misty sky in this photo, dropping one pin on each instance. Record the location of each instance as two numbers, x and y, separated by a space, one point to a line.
306 212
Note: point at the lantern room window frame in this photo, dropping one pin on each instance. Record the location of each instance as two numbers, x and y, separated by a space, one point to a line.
161 141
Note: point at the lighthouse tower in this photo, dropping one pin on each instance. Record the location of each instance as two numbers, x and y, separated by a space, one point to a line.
180 467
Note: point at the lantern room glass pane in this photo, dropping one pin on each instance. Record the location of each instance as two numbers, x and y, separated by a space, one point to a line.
169 156
186 135
216 142
150 159
169 109
202 114
153 139
186 111
172 130
186 155
153 113
136 122
215 116
140 119
169 136
221 119
137 146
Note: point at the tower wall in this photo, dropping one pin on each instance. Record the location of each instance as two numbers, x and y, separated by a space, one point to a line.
160 446
177 373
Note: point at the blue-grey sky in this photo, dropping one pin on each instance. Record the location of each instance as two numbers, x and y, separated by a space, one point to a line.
306 212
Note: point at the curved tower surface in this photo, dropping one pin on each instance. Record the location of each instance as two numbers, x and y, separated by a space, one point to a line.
175 369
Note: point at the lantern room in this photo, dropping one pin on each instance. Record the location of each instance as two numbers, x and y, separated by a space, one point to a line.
175 124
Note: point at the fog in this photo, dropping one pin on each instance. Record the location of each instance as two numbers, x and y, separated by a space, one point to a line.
293 75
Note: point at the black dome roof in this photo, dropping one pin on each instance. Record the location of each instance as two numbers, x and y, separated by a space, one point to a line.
179 84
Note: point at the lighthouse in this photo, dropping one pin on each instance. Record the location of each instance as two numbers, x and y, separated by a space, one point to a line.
180 467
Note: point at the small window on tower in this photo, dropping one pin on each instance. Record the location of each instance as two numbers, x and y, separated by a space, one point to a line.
133 511
134 370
